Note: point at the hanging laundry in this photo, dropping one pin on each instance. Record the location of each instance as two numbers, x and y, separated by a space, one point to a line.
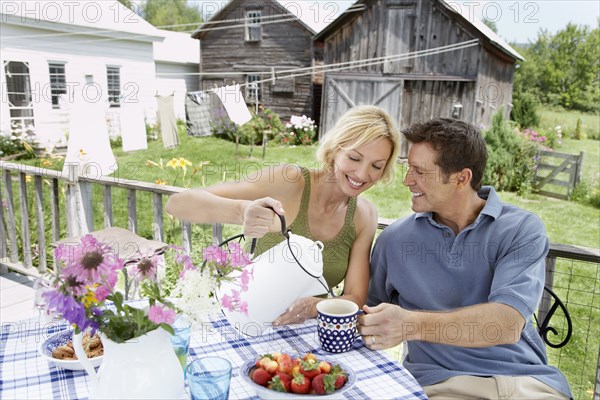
197 113
234 103
167 121
89 144
133 128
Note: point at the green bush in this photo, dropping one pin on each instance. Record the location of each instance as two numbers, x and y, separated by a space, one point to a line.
588 192
19 141
524 111
511 157
252 131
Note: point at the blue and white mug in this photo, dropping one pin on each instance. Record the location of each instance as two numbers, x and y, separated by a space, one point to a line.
336 324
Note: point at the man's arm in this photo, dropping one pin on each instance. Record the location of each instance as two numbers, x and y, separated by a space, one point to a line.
481 325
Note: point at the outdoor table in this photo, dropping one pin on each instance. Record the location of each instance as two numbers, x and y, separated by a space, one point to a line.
24 374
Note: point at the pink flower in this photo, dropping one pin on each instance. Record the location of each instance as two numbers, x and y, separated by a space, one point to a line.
91 261
226 302
244 308
145 269
161 314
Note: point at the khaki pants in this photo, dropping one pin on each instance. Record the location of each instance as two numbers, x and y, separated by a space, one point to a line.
466 387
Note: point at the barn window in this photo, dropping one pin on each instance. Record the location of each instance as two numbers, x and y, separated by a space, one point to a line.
253 26
253 88
58 82
457 110
113 78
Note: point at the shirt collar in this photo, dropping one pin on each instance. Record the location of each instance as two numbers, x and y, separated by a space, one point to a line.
493 204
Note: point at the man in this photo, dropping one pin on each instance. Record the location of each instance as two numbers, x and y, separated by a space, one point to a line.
460 279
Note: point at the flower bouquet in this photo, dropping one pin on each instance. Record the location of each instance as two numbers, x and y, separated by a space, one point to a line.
86 293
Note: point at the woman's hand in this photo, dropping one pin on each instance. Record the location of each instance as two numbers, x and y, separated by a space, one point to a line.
299 311
260 217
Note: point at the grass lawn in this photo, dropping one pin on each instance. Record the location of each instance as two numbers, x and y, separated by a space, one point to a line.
567 120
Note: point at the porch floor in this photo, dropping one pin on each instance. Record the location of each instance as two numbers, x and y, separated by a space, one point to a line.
16 297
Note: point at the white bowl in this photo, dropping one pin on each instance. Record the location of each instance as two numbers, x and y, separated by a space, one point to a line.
268 394
59 339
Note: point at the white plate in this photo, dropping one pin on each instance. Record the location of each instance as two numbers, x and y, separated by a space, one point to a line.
268 394
59 339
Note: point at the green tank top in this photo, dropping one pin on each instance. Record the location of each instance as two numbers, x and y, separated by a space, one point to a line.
336 252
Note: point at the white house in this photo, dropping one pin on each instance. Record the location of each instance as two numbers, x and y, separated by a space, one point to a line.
54 53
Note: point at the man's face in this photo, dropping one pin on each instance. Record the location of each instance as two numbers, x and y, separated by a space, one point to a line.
424 178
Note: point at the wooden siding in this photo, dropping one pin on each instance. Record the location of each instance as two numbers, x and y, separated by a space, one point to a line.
285 45
477 80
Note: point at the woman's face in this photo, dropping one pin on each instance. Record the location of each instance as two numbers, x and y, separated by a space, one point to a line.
358 169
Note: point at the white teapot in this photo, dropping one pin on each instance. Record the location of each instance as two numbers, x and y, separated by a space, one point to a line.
291 270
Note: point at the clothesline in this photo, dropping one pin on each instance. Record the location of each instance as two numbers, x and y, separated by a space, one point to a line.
349 64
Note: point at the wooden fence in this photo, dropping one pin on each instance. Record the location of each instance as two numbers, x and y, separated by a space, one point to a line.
558 169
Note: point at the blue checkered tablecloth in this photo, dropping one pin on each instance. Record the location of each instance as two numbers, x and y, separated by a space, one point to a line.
24 374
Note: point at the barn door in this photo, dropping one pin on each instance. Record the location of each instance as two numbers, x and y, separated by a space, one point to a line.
344 92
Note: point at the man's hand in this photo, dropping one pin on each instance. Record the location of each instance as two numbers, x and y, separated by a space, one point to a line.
381 326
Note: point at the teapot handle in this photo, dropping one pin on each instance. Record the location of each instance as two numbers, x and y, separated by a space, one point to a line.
83 359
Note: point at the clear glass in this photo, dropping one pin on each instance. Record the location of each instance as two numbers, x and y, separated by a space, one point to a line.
209 378
181 339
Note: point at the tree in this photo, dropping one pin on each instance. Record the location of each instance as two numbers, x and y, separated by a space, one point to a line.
490 24
170 14
563 68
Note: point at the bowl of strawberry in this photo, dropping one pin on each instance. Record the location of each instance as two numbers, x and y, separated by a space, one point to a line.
281 376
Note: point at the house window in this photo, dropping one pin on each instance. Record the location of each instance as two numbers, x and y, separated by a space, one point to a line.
113 78
58 82
253 89
253 26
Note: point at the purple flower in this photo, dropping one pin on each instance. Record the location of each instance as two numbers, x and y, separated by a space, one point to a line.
72 311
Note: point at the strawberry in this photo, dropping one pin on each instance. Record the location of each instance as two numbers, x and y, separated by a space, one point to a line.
310 369
271 367
261 377
323 384
300 384
263 360
285 365
325 367
275 355
340 376
309 356
279 385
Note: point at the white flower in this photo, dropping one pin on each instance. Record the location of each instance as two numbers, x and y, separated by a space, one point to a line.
192 295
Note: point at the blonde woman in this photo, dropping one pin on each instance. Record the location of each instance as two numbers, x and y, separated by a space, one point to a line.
321 204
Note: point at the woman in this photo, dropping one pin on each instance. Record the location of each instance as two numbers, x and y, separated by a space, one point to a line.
321 204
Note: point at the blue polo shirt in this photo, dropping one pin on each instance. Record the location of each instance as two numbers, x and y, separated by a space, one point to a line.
422 265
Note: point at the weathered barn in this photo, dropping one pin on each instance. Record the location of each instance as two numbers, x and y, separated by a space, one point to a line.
470 82
248 41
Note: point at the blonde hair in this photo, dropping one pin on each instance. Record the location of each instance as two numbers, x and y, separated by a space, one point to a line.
358 126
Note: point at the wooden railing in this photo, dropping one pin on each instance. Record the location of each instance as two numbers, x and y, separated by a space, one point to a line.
16 253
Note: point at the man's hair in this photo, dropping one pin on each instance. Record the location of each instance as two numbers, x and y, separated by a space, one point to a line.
359 126
458 145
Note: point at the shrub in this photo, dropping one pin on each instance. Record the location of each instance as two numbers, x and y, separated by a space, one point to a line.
511 157
524 111
19 141
299 131
588 192
579 134
266 120
252 131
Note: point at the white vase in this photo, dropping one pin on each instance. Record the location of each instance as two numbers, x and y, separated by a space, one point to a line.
145 367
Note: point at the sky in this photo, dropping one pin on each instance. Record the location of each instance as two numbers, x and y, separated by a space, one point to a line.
520 21
517 21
